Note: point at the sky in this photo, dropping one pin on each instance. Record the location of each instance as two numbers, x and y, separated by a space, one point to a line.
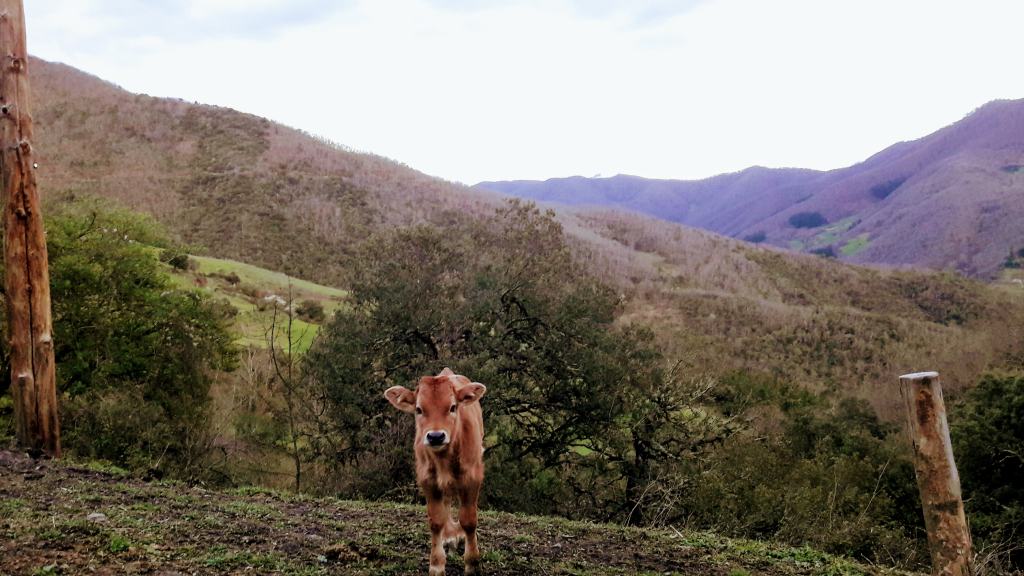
473 90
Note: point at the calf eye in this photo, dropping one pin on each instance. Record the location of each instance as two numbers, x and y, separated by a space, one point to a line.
452 409
419 410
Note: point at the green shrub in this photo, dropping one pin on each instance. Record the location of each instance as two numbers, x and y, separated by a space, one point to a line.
814 472
135 356
987 428
756 237
825 252
807 220
885 189
176 259
311 311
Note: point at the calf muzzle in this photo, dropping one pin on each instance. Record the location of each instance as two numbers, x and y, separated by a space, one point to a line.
436 439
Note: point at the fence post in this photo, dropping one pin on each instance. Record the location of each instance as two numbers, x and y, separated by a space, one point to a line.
26 271
949 540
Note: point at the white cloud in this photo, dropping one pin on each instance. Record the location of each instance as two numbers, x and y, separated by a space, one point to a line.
206 9
537 89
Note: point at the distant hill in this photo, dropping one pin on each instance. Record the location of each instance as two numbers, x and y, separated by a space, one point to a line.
953 199
244 188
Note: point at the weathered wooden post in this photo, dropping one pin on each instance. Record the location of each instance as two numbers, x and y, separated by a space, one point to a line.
27 275
949 539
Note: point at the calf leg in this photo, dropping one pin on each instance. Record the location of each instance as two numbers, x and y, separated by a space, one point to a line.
467 519
438 515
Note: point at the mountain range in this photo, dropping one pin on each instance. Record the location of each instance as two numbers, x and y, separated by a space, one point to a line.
951 200
241 187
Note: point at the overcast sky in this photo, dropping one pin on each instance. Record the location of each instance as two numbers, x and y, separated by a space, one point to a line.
474 90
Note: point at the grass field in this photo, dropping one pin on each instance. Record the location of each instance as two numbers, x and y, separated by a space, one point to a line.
254 296
169 528
1012 281
856 245
833 232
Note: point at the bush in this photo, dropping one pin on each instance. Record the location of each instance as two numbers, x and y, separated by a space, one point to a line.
987 428
826 252
756 237
1014 260
811 472
135 355
311 311
883 190
807 220
176 258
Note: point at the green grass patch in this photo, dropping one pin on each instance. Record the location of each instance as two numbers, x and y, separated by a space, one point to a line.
119 544
267 279
833 233
101 466
856 246
254 295
797 245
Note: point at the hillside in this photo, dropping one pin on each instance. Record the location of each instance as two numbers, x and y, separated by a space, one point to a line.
254 292
243 188
170 528
952 199
237 185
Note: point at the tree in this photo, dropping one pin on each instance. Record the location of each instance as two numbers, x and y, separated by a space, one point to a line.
301 408
807 220
504 302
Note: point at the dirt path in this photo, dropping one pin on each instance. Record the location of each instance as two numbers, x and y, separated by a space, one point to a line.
173 529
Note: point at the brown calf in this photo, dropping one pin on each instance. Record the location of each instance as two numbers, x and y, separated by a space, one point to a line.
449 449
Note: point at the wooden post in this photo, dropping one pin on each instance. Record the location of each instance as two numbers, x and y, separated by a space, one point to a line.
27 276
949 540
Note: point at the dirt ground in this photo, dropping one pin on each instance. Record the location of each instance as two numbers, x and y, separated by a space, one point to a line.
60 518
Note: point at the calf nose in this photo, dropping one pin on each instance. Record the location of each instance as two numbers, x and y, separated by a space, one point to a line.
436 438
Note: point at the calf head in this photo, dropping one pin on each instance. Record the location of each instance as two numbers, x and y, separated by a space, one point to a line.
437 403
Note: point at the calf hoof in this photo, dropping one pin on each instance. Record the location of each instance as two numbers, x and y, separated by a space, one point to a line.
436 571
473 567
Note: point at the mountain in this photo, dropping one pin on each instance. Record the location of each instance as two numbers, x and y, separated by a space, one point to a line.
240 187
953 199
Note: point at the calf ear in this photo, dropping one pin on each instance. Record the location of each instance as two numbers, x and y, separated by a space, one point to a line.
470 392
401 398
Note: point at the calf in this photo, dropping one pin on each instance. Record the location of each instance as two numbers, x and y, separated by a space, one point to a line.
449 448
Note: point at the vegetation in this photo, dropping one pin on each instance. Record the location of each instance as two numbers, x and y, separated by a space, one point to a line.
856 245
823 472
177 259
833 233
825 252
1014 260
989 445
171 527
136 356
570 394
807 220
640 372
590 413
756 237
885 189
